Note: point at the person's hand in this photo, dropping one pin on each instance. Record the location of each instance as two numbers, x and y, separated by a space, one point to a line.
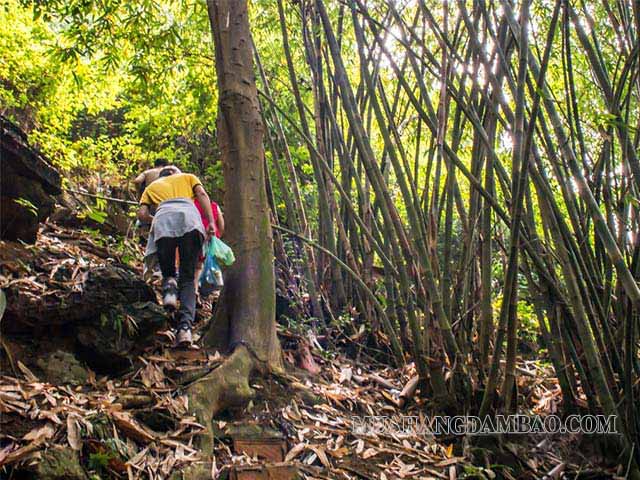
211 231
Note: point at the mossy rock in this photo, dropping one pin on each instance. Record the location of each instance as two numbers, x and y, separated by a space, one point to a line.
110 343
62 367
59 463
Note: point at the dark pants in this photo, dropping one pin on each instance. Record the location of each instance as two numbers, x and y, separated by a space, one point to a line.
189 246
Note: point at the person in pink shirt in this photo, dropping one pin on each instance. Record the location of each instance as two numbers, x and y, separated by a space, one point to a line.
218 218
218 226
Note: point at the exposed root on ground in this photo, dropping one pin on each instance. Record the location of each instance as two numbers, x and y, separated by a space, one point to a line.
225 387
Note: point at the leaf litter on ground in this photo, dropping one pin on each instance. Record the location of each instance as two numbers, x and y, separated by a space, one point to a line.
315 414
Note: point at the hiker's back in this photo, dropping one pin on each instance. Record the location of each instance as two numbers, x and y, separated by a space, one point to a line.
180 185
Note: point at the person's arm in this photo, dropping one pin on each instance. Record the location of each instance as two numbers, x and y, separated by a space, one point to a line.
220 222
205 203
140 178
144 215
140 182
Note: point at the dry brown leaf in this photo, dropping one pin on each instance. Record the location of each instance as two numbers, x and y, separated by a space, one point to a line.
177 445
41 434
17 405
152 376
28 374
9 388
50 398
73 433
50 416
448 461
19 454
319 451
10 396
300 386
448 450
295 451
131 427
291 414
388 396
6 451
370 452
91 377
216 357
406 470
345 375
138 457
339 452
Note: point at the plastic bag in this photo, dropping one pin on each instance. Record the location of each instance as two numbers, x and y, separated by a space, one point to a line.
222 252
211 277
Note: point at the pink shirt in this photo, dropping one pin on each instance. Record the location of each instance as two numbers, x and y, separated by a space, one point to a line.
205 222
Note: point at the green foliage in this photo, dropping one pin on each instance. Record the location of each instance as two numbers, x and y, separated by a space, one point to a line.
114 320
96 215
99 461
31 208
529 327
120 322
472 471
95 234
107 87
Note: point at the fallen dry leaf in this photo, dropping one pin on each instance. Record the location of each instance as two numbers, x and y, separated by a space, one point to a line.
369 452
345 375
319 451
73 433
39 435
131 427
295 451
19 454
448 461
28 374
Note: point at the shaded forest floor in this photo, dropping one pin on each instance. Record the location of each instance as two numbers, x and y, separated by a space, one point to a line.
99 392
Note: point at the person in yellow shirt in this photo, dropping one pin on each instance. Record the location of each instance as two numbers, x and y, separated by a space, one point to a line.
141 182
176 224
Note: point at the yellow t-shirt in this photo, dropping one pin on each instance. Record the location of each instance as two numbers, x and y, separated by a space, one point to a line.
179 185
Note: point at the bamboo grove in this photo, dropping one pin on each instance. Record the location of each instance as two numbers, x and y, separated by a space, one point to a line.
468 158
440 170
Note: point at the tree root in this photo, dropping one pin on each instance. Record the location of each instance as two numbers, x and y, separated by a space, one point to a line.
225 387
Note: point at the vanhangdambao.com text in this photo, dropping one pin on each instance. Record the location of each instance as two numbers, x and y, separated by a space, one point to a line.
474 425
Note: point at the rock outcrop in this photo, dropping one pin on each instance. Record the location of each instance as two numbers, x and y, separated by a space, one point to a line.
109 343
28 185
70 305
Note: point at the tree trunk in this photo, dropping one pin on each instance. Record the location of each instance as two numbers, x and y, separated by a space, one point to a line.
244 321
247 310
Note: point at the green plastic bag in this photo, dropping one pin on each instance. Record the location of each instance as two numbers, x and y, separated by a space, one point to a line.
222 252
